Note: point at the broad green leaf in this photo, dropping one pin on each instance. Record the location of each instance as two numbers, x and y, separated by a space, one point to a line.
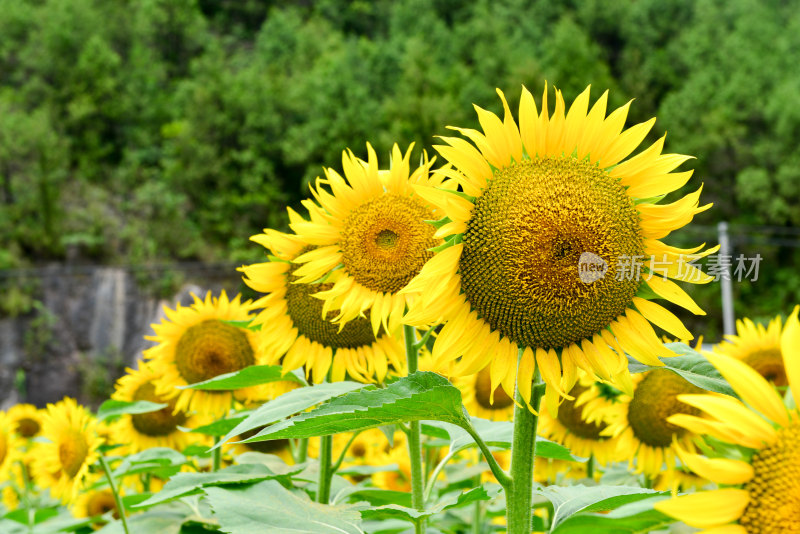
160 461
184 484
498 434
292 402
633 518
115 408
692 366
220 427
449 501
269 507
20 515
571 500
253 375
163 522
423 395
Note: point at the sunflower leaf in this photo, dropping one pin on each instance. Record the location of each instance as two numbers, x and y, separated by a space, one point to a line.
422 395
496 434
269 507
185 484
114 408
253 375
638 517
570 501
292 402
692 366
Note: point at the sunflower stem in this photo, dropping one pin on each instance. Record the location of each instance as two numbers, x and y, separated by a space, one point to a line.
117 498
29 513
342 456
325 469
414 435
502 478
302 450
519 494
216 456
477 513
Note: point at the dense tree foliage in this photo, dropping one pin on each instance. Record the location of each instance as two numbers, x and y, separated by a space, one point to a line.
145 130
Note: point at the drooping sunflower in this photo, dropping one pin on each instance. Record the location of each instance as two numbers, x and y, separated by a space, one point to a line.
547 240
26 420
196 343
62 462
296 333
759 347
137 432
580 423
640 422
481 401
759 475
369 225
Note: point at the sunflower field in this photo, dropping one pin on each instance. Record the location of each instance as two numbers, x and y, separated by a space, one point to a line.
470 342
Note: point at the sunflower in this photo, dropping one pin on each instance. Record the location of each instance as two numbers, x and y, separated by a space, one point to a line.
94 502
757 460
758 347
62 463
396 479
9 446
369 225
26 419
579 423
481 400
197 343
640 422
544 245
137 432
295 331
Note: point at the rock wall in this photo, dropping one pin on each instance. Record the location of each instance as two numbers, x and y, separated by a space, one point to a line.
88 325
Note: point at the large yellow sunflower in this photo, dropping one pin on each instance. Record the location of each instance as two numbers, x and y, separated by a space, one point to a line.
295 331
195 343
759 476
62 462
371 227
640 422
547 240
759 347
138 432
579 424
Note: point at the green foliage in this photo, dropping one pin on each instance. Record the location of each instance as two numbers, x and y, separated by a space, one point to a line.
422 395
690 365
252 375
271 507
111 408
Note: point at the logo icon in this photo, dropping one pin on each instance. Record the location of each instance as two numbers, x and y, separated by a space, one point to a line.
591 268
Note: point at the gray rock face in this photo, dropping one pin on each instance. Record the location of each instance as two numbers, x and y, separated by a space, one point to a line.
90 325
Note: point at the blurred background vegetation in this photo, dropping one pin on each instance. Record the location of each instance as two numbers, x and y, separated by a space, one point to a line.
146 131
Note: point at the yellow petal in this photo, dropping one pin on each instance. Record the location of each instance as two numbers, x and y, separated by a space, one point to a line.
790 348
662 318
750 386
525 375
707 508
670 291
719 470
733 412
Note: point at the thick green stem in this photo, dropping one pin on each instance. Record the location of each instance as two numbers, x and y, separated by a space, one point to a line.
216 456
302 450
414 435
117 498
325 469
523 451
477 513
